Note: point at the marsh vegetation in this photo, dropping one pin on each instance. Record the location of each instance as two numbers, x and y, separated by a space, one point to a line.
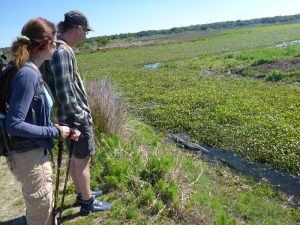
250 105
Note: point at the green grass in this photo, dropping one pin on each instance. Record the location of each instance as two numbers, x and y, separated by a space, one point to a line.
19 202
156 183
102 62
257 119
149 180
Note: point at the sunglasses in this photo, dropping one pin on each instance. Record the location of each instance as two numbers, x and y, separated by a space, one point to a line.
84 29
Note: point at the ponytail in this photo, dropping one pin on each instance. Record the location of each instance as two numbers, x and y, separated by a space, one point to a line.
21 50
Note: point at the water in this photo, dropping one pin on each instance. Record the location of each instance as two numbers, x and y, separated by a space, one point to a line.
152 66
209 72
287 43
150 105
281 181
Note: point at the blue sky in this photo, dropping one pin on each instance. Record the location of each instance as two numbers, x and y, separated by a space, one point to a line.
124 16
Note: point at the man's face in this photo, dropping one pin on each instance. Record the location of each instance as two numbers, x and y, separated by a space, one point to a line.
81 33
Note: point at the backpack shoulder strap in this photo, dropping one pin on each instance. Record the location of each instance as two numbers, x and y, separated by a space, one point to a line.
37 91
71 52
41 81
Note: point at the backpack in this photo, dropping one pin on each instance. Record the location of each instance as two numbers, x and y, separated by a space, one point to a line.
6 77
4 138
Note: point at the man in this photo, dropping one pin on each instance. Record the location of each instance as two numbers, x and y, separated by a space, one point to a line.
72 107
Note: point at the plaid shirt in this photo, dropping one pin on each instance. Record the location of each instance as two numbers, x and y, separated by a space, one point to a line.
67 87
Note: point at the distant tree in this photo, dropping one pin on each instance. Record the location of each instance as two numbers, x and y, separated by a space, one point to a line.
103 40
175 30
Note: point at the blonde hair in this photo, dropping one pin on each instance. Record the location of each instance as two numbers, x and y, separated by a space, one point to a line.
36 33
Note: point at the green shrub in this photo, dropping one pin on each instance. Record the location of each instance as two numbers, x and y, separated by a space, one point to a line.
274 75
169 65
158 206
103 41
262 61
116 173
168 192
147 196
111 142
156 169
222 219
131 212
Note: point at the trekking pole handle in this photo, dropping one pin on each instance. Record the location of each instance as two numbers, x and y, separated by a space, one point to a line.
73 126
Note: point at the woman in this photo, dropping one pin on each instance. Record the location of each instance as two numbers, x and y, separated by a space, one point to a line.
28 120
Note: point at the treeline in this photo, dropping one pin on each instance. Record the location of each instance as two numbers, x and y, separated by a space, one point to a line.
103 40
200 28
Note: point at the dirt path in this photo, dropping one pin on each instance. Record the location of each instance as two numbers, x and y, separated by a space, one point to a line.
11 201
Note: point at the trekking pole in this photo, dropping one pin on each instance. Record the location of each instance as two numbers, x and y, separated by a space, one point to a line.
68 171
66 179
59 159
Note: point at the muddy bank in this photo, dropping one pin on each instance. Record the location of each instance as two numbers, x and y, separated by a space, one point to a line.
262 68
284 65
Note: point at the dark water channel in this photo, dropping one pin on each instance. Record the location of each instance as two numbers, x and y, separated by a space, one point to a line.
281 181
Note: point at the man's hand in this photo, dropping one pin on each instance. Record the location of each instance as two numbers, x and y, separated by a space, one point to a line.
75 134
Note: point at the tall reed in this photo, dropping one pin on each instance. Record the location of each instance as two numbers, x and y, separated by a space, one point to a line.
108 110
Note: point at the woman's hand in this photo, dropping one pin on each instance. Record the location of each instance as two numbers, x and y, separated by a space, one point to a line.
65 132
75 134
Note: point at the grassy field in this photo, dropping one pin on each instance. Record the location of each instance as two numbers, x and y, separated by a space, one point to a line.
150 181
255 118
250 104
